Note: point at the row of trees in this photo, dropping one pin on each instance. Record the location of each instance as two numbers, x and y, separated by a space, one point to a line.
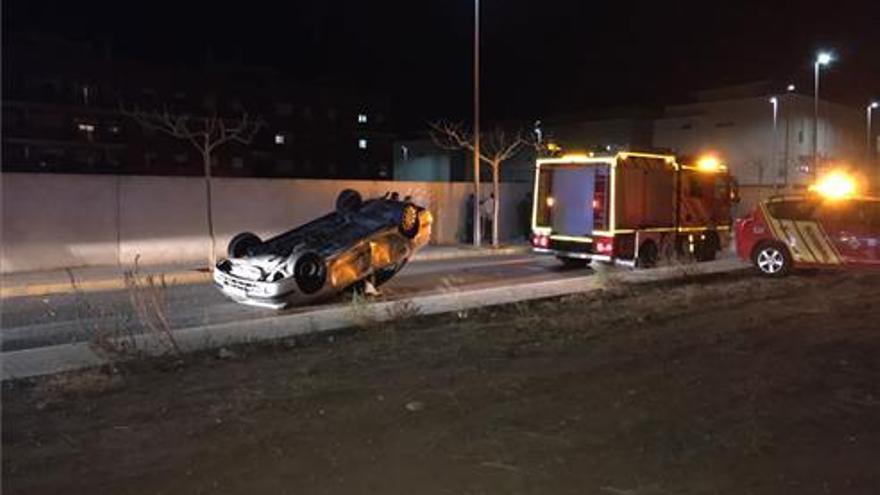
208 133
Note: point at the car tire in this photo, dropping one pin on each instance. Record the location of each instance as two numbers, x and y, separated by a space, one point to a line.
409 221
241 244
348 201
772 259
573 263
310 272
648 255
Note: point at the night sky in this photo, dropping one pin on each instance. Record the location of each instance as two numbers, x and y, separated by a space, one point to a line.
540 58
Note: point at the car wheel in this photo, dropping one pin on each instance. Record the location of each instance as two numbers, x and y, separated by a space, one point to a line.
648 255
409 221
573 263
772 259
348 201
310 273
241 244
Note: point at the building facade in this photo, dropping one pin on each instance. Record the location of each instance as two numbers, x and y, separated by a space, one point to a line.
63 102
766 140
420 159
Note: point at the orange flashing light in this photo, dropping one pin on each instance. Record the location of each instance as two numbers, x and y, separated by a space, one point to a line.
836 184
709 163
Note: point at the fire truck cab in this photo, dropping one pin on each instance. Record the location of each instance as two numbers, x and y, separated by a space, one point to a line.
631 208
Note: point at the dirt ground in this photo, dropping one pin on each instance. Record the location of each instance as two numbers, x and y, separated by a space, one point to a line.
728 385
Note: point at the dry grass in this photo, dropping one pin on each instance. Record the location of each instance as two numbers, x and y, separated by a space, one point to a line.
118 341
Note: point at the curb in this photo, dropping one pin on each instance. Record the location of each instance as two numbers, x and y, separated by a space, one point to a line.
69 357
471 252
184 277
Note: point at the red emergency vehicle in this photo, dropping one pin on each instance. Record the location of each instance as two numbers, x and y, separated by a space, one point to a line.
829 227
630 208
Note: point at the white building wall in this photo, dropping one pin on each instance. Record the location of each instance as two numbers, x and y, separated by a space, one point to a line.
741 132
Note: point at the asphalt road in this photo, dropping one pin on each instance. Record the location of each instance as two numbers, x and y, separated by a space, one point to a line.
29 322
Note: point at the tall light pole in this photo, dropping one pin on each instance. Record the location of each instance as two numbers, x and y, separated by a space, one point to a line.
823 58
477 229
775 102
869 150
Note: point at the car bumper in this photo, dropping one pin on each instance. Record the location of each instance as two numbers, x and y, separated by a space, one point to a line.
569 254
275 295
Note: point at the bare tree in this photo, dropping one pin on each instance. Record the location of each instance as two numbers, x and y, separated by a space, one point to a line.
496 147
206 134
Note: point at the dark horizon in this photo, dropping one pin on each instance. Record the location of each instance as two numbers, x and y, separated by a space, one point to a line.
559 58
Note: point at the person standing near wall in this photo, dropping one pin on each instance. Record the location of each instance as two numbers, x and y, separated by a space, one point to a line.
469 219
524 215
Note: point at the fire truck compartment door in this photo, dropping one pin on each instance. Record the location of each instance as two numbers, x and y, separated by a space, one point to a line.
645 196
572 212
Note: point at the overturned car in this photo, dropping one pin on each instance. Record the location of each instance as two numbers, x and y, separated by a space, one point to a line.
360 242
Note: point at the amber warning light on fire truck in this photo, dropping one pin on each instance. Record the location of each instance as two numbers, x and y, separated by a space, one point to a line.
631 207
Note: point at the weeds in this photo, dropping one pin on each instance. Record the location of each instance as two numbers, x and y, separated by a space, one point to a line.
148 299
110 341
117 339
402 310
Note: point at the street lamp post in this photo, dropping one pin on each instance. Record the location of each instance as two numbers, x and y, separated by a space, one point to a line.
823 58
869 150
476 212
775 102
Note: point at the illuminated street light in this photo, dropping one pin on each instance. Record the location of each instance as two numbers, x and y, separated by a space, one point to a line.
790 88
476 158
822 59
868 110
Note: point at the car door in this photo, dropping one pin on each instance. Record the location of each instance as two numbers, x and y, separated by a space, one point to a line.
853 229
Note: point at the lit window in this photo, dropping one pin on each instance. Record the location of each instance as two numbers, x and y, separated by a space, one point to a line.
362 144
279 139
86 127
362 118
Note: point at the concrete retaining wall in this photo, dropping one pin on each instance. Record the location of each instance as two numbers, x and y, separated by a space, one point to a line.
52 221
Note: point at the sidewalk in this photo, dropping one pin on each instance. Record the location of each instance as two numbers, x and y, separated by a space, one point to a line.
105 278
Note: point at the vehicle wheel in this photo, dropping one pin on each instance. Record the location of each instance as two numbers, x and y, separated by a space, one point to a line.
310 273
648 255
573 263
348 201
241 244
772 259
386 274
409 221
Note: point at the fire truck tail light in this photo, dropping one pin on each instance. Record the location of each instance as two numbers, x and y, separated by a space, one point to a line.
604 245
541 241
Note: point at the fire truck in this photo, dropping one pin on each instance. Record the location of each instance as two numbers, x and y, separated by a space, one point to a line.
631 208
